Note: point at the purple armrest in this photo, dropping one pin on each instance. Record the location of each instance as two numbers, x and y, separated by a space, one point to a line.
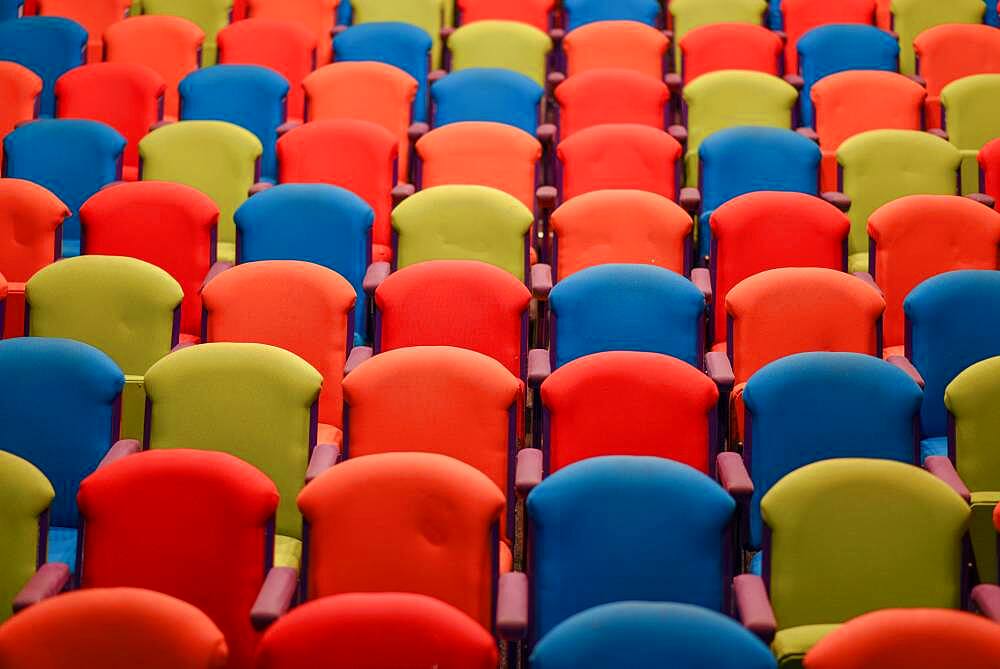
690 200
416 131
554 79
214 271
702 278
905 365
869 279
287 127
323 457
48 581
986 599
402 191
547 197
539 366
679 133
436 76
274 598
809 134
983 198
917 79
512 606
446 32
529 471
120 450
160 124
546 134
795 80
259 187
943 469
673 82
754 607
838 200
556 35
358 356
541 281
938 132
376 274
733 475
720 369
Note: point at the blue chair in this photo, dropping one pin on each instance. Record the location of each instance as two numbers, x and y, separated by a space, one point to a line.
840 47
582 12
992 17
72 158
487 94
649 635
61 402
10 9
736 161
47 45
316 223
399 44
344 13
249 96
626 308
775 19
952 322
621 528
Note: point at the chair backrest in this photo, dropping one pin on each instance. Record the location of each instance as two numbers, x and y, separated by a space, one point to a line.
626 308
671 557
989 167
730 46
211 512
46 45
316 16
690 14
441 513
971 399
532 12
611 95
965 105
209 15
800 16
949 52
618 156
629 45
507 44
912 17
95 17
487 94
20 88
425 14
30 222
897 530
10 9
798 309
582 12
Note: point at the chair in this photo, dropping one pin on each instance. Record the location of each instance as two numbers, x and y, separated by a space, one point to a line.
611 96
729 46
532 12
26 495
20 88
31 221
10 9
284 46
211 17
218 158
95 17
581 12
71 158
126 96
799 17
965 105
627 45
488 94
686 15
429 15
316 16
169 45
504 44
989 168
909 18
49 46
377 629
115 628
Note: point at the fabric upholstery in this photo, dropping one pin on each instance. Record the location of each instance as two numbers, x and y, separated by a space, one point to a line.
800 16
610 95
209 15
497 43
582 12
910 18
427 15
628 45
532 12
989 167
487 94
791 645
966 103
48 46
95 17
20 88
690 14
970 399
729 46
316 16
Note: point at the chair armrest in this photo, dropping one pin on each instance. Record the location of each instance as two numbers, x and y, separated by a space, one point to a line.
690 200
446 32
556 35
942 467
986 599
436 76
160 124
547 197
720 369
679 133
733 475
275 597
287 127
753 607
938 132
869 279
512 606
323 457
838 200
546 133
903 363
416 131
214 271
553 80
917 79
701 277
400 192
48 581
795 80
119 451
539 366
674 83
541 280
259 187
376 274
358 356
983 198
808 133
529 472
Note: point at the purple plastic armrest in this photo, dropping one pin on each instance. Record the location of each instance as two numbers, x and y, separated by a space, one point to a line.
274 598
554 79
215 270
942 467
669 34
512 606
986 599
938 132
917 79
402 191
679 133
376 274
689 200
557 35
720 369
259 187
539 366
547 197
733 475
983 198
869 279
795 80
324 456
160 124
838 200
809 134
904 364
446 32
529 471
417 130
701 277
359 355
436 76
287 127
48 581
541 281
673 82
120 450
546 134
754 607
336 30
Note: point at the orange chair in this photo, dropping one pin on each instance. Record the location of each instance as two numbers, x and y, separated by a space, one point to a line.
920 236
168 44
298 306
316 16
609 95
94 15
19 89
730 46
127 96
533 12
800 16
952 51
627 45
30 222
989 169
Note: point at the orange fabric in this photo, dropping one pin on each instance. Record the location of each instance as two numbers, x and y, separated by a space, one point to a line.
481 154
168 44
919 236
114 628
366 91
766 230
533 12
404 522
610 95
357 155
317 16
628 45
883 14
620 226
620 156
94 15
19 90
794 310
730 46
285 47
989 167
801 16
852 102
949 52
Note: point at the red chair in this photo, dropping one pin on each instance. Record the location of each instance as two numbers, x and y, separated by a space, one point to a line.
608 95
94 15
127 96
19 88
953 51
989 169
533 12
730 46
803 15
316 16
627 45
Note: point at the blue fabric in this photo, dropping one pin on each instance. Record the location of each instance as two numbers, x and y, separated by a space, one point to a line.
775 19
647 635
344 13
952 323
62 545
249 96
58 401
839 47
582 12
757 564
398 44
625 528
317 223
741 160
933 446
72 158
819 406
10 9
627 308
487 94
47 45
991 18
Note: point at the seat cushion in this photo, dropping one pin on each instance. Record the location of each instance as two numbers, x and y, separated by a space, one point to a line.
62 546
226 252
984 534
287 551
933 446
329 434
857 262
791 645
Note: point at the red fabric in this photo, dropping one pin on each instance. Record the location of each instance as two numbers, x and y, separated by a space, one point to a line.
532 12
189 524
29 218
609 95
94 15
949 52
316 16
619 44
168 225
801 16
730 46
13 323
989 167
19 90
883 14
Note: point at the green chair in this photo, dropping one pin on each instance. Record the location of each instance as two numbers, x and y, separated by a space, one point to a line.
218 158
431 15
125 307
209 15
970 109
690 14
253 401
879 166
731 98
507 45
25 496
912 17
463 223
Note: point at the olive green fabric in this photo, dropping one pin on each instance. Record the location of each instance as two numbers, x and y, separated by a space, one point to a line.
791 645
217 158
209 15
912 17
970 106
123 306
730 98
691 14
852 536
25 494
463 223
507 45
249 400
880 166
426 14
984 534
